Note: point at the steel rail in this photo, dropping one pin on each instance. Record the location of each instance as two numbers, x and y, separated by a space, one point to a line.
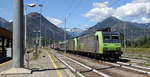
137 66
94 70
71 68
128 67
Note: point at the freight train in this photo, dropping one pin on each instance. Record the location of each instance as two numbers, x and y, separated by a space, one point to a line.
103 45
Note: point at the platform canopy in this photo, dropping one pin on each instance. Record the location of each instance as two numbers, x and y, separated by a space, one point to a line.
5 33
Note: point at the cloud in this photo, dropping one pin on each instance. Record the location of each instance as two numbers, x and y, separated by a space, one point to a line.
10 20
85 25
54 21
99 12
133 10
142 20
137 9
140 1
145 20
76 30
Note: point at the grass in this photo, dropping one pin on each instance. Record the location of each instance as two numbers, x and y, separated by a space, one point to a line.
147 65
140 52
147 50
137 53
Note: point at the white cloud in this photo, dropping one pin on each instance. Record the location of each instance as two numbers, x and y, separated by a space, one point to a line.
142 20
54 21
137 9
99 12
141 1
145 20
133 10
76 30
10 20
85 25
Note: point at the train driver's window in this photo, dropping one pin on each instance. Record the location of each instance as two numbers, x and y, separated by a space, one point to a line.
106 37
96 37
97 44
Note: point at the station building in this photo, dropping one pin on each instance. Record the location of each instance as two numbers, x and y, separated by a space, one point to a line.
5 43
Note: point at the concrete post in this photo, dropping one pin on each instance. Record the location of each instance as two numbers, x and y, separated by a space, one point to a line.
18 34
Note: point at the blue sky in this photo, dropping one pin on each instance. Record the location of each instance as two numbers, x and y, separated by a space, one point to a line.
84 13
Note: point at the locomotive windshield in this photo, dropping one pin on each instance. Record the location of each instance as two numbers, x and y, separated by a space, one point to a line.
110 37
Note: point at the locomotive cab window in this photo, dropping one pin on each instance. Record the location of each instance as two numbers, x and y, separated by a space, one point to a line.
115 37
96 37
106 37
97 43
111 37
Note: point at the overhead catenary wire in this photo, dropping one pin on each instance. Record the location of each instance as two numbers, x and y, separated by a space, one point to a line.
68 14
71 11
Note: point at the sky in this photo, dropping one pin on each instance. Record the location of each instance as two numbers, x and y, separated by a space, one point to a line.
83 13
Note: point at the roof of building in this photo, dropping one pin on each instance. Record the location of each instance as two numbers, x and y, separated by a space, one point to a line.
5 33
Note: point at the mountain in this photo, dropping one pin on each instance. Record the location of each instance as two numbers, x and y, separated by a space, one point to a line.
74 32
148 25
4 23
48 29
130 29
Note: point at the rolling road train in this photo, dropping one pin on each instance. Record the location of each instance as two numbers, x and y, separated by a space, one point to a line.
104 45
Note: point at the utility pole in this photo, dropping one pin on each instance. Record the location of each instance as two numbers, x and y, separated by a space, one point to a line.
45 36
25 37
124 36
40 41
25 26
65 34
37 41
18 34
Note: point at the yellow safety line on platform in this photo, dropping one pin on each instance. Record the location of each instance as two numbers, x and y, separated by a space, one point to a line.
5 63
54 65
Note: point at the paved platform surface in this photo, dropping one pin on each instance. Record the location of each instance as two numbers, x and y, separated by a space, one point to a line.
5 65
46 65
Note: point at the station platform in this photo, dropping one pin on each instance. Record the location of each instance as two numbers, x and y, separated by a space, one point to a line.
45 65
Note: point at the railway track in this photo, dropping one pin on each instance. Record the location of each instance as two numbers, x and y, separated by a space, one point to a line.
147 70
136 62
132 58
110 69
136 68
79 68
131 67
